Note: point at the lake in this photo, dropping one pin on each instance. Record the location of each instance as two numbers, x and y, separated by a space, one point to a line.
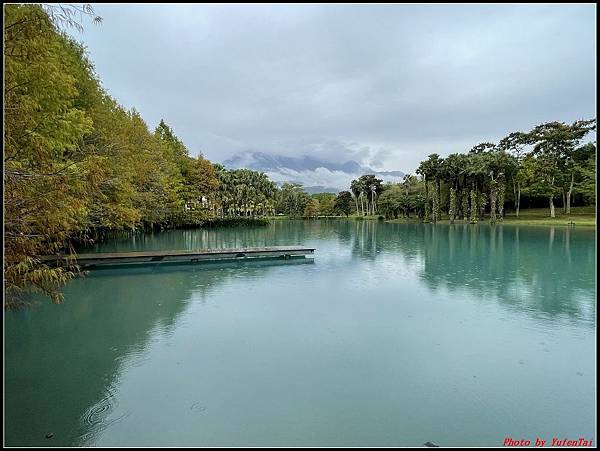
396 334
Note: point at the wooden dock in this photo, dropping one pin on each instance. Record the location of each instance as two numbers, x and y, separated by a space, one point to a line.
182 256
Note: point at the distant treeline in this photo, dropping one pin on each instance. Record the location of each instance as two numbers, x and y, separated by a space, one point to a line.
549 164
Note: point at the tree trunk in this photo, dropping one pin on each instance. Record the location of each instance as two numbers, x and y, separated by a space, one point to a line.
439 202
362 204
518 198
501 193
452 211
435 205
426 219
373 202
473 206
515 196
569 194
552 212
493 194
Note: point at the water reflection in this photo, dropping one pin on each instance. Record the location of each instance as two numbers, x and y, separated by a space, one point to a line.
207 238
548 271
65 364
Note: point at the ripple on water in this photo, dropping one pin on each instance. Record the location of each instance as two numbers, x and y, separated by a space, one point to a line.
95 419
198 407
96 414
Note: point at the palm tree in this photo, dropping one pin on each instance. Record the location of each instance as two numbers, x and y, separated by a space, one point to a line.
356 190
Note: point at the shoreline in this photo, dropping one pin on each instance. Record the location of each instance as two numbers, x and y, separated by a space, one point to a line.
510 221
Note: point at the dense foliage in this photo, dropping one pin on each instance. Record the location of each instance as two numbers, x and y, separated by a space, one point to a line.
548 163
243 192
292 200
77 164
366 190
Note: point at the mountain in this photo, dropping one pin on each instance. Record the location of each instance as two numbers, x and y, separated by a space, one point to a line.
316 175
322 189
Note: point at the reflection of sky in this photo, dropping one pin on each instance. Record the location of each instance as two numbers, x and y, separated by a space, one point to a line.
503 265
237 353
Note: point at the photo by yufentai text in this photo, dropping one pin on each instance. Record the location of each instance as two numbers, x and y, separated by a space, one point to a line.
555 441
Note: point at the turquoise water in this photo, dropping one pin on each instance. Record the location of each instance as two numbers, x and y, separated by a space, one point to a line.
396 334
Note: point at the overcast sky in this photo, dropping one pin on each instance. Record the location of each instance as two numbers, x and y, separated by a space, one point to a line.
384 85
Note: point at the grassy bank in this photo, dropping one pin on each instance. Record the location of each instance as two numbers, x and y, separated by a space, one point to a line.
580 216
354 217
351 217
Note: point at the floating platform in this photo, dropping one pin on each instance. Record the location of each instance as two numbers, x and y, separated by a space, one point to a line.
183 256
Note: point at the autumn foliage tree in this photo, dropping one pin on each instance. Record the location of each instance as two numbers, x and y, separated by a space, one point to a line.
76 163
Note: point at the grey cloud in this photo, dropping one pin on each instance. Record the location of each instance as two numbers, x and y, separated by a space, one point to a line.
382 84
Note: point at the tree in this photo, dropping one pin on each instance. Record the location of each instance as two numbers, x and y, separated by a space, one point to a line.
77 164
495 165
515 144
312 208
46 171
402 199
243 192
585 172
372 187
453 207
292 200
200 185
431 171
543 163
474 206
393 201
366 189
554 143
326 203
356 189
343 203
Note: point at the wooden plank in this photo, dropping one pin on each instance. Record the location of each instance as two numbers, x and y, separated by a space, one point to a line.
171 256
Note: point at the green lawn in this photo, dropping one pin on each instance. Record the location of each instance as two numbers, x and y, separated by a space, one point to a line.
580 216
360 218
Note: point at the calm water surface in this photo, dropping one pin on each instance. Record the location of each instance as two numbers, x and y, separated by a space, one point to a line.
395 335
